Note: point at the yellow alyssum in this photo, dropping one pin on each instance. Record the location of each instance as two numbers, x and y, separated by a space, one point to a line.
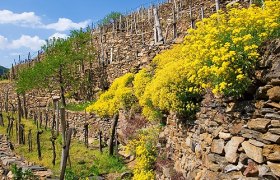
119 96
219 55
144 149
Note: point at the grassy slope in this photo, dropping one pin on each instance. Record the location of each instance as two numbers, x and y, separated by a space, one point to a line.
84 161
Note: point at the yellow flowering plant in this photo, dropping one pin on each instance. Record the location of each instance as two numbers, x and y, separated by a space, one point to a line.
119 96
144 149
219 55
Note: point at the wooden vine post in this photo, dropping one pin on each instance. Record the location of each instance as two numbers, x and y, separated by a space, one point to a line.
157 27
202 11
113 130
217 5
19 119
174 24
100 140
66 154
6 103
29 139
53 138
39 132
63 133
86 134
24 107
56 112
46 119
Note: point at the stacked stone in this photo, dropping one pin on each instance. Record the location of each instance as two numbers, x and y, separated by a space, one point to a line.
8 158
231 139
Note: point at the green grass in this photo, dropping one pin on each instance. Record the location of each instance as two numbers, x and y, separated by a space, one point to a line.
84 162
78 107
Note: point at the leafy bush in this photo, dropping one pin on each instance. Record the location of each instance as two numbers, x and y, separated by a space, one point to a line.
103 163
70 175
18 174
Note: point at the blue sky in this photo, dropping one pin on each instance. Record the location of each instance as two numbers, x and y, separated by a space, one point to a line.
26 24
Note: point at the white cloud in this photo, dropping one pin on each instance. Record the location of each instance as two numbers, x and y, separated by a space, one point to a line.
58 35
64 24
30 19
23 19
3 42
34 43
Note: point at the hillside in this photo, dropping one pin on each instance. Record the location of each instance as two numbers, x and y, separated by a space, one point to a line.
3 70
183 96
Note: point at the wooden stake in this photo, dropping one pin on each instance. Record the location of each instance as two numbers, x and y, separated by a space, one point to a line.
113 129
66 154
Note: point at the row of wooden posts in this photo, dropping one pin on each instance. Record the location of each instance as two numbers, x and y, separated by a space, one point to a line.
66 131
134 23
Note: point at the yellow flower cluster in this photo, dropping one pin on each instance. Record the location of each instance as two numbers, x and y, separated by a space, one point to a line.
220 55
119 96
144 148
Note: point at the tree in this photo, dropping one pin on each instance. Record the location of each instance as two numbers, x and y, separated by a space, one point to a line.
110 18
60 65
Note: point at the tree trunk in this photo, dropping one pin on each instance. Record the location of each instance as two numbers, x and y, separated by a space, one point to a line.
66 154
62 90
63 131
57 118
53 148
111 142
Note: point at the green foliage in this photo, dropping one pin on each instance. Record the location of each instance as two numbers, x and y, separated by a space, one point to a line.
59 67
110 18
78 107
119 96
103 163
70 175
18 174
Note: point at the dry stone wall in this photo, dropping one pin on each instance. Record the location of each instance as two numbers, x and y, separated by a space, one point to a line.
229 139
